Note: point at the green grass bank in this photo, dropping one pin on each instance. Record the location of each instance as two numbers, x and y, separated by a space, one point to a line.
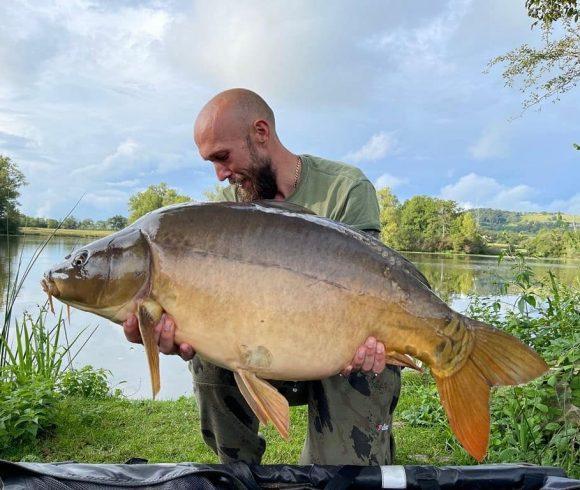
25 230
115 429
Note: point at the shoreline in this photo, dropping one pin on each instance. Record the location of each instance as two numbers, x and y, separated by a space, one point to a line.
102 233
462 254
24 230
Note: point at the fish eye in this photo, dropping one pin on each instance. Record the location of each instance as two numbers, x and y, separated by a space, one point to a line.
80 258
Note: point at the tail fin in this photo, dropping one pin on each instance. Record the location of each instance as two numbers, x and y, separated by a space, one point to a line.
497 359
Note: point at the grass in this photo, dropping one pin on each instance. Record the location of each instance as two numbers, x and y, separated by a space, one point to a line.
113 430
27 230
549 217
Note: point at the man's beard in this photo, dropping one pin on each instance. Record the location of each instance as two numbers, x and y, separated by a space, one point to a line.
261 177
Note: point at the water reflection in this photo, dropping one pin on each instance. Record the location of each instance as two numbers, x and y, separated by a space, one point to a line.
453 275
10 247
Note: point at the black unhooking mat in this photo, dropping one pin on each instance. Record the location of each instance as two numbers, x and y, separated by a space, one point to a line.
137 474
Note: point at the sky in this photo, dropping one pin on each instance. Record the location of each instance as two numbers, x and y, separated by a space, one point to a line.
98 99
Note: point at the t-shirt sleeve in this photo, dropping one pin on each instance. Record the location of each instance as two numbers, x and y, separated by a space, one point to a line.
226 194
361 207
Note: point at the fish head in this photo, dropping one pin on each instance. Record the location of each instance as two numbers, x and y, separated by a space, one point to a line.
104 277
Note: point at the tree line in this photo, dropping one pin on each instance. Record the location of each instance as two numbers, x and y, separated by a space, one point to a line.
496 220
117 222
427 224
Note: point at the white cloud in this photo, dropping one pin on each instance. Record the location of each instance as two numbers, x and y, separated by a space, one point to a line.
476 191
109 199
14 126
491 144
376 148
571 205
292 52
118 161
126 149
112 47
124 183
390 181
423 48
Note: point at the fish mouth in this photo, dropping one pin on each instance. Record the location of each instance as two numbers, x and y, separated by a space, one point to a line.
50 287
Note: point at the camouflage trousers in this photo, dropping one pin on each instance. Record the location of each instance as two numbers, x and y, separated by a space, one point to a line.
349 418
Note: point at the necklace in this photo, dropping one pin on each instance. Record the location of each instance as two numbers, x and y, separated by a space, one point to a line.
298 171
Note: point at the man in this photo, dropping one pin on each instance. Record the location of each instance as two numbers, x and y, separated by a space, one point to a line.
349 414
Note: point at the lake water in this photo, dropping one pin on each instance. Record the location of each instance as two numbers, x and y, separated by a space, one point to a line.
453 277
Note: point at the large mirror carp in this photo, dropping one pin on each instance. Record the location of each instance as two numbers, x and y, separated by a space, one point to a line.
271 291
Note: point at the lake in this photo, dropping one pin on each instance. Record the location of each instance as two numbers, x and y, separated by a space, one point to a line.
454 277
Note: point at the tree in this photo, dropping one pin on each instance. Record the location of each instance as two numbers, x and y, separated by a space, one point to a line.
547 72
447 212
11 179
554 243
117 222
424 223
87 224
70 223
389 216
548 11
428 224
465 235
154 197
51 223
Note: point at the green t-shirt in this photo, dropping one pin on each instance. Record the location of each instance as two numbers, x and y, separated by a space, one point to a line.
334 190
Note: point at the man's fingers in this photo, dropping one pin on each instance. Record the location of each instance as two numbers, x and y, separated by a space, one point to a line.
131 330
186 352
159 328
369 357
371 346
359 358
379 364
166 338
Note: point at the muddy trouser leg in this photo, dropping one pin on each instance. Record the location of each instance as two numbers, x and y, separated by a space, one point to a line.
228 425
350 419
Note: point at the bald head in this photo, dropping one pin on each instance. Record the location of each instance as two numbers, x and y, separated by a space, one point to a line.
235 131
234 111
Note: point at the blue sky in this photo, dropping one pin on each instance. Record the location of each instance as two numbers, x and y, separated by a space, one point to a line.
99 98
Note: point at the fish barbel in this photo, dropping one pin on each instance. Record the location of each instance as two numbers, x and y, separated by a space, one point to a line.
271 291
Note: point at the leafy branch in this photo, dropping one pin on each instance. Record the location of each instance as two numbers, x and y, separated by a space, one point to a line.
547 72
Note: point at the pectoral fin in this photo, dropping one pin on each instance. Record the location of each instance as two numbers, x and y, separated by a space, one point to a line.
264 400
149 313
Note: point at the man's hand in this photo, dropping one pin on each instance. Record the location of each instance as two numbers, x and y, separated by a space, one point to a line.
369 357
164 336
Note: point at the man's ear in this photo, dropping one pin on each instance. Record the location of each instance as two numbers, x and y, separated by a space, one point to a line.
262 131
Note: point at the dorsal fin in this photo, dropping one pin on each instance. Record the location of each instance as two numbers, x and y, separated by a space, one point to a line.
284 206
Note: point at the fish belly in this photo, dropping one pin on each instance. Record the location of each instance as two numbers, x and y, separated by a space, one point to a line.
274 322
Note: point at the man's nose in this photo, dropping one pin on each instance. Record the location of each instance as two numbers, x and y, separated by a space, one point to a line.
222 172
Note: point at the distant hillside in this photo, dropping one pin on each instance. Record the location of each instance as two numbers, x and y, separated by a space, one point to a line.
496 220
